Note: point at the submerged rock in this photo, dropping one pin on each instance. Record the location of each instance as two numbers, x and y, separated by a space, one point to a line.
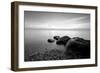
53 54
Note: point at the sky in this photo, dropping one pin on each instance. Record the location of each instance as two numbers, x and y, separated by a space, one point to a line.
56 20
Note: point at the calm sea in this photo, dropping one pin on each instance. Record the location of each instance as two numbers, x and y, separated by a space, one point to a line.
36 40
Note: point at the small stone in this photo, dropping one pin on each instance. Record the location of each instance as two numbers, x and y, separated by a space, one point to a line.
56 37
51 40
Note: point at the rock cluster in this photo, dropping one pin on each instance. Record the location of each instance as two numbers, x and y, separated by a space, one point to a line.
76 47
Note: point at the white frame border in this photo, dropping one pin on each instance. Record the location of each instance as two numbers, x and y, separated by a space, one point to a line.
23 64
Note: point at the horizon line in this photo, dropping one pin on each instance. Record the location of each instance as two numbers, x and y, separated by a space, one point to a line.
58 28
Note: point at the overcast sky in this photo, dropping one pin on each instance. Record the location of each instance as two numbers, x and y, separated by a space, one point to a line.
53 20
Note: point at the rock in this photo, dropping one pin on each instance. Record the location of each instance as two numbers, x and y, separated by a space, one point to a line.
78 38
78 47
51 40
56 37
63 40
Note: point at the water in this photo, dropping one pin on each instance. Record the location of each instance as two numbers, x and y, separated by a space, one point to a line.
36 40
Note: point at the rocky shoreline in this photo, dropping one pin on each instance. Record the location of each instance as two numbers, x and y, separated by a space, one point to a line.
75 48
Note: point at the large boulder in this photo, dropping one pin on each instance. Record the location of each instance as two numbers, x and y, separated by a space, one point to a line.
63 40
78 47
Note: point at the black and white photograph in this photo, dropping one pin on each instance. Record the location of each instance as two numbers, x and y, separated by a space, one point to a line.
56 36
53 36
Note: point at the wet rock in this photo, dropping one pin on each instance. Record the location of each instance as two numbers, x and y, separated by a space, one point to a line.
63 40
56 37
78 47
51 40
